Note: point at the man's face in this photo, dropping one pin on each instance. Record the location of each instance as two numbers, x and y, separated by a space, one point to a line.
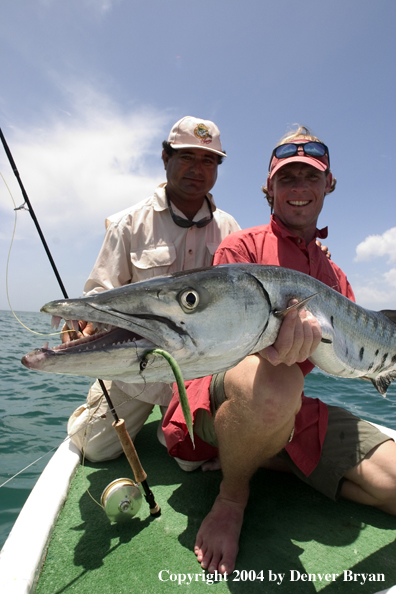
298 190
191 173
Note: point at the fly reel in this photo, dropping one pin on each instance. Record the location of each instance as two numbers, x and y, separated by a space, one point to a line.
121 499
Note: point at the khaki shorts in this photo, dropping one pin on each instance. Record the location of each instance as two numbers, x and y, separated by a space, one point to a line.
348 440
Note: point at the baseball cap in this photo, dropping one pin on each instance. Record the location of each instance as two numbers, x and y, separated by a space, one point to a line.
302 150
190 132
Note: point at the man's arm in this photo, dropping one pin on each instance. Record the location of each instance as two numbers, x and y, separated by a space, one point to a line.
112 269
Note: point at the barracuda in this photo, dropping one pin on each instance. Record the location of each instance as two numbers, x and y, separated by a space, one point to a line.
210 319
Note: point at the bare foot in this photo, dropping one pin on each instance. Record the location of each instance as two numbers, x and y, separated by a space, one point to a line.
216 545
213 464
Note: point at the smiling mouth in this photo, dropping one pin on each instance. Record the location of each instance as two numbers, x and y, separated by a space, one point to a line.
298 202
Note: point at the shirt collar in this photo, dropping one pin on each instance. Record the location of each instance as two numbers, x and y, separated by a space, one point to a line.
279 229
160 203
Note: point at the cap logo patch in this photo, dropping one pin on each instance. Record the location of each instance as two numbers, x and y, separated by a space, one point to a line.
202 133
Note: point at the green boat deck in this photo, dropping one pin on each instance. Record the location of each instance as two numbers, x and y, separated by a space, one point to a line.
289 529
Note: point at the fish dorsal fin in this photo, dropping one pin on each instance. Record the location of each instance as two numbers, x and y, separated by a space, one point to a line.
390 314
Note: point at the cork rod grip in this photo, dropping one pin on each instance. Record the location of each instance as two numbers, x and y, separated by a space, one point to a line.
130 451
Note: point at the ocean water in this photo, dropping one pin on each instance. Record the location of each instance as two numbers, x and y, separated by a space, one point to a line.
34 408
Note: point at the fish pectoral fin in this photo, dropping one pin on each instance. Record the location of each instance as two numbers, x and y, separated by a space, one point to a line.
390 314
281 313
382 382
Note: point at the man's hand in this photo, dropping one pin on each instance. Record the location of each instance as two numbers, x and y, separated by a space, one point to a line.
86 329
298 338
324 249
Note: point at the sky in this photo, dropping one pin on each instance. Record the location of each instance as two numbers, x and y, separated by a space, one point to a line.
90 89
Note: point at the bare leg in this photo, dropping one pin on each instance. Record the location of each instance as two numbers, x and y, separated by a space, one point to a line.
373 481
252 426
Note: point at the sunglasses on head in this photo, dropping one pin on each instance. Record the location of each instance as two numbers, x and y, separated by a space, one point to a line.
312 148
186 222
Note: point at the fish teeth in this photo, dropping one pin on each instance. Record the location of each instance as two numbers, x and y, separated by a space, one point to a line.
55 321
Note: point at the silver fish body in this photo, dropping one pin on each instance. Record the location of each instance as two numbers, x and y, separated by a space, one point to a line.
210 319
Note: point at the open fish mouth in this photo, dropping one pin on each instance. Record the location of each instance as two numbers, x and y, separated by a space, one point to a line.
104 338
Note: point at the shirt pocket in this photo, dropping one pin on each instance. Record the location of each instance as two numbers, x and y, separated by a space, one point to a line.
152 262
210 252
212 247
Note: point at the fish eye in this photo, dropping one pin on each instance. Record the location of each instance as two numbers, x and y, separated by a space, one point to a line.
189 299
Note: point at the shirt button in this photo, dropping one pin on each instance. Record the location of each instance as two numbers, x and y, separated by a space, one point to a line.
190 251
298 240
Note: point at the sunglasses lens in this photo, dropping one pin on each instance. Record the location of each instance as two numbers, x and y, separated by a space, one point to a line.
285 150
315 149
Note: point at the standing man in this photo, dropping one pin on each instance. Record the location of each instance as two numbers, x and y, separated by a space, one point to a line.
256 415
178 228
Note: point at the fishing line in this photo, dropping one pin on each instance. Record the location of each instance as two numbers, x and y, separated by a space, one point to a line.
83 451
8 261
91 421
32 463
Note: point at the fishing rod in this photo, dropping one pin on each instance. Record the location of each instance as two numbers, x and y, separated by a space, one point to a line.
118 424
32 214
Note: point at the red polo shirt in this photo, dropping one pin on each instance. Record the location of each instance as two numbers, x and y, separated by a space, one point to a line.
271 244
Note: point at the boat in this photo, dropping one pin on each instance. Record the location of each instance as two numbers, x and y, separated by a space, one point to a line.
297 541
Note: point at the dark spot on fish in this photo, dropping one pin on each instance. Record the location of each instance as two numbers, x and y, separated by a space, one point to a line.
361 353
394 359
370 366
346 351
326 341
376 353
384 358
332 321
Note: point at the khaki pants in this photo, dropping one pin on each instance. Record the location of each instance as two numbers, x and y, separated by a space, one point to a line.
90 426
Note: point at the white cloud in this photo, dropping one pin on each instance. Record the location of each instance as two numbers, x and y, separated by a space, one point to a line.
391 277
375 296
375 246
379 291
79 169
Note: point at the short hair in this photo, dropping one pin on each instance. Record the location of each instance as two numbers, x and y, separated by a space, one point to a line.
170 151
304 133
